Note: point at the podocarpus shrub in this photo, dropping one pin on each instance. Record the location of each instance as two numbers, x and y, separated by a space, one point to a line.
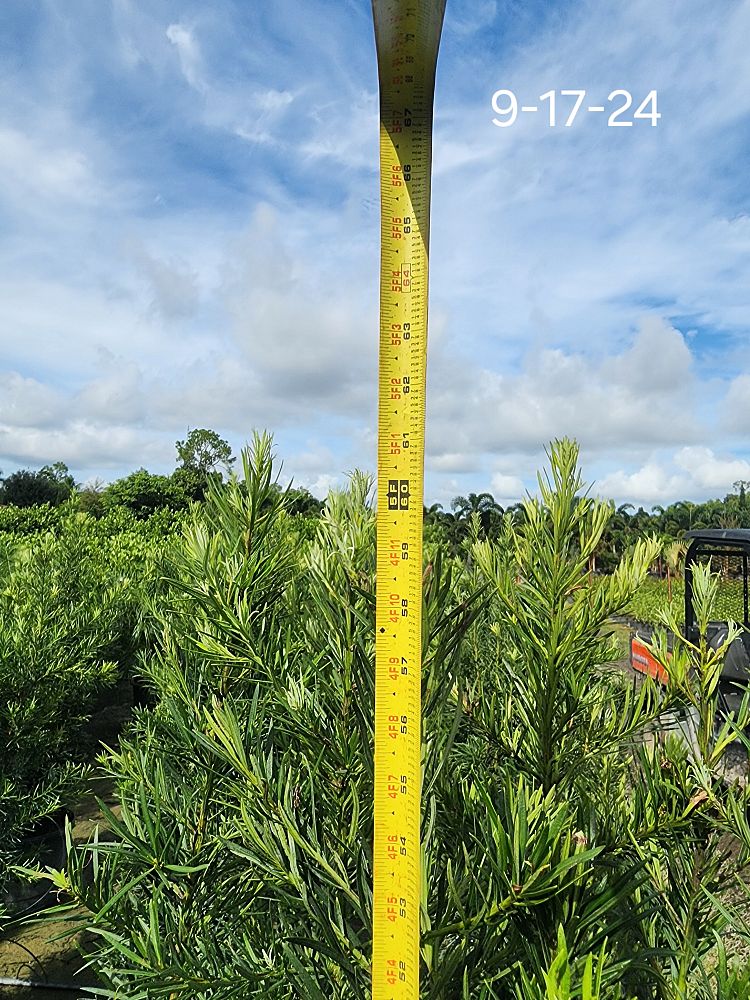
71 624
15 521
564 854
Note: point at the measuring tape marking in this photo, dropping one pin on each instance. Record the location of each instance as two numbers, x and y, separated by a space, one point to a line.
407 36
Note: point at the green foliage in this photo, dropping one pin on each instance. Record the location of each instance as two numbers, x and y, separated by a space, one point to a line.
72 621
191 481
484 506
451 531
301 501
565 853
51 485
17 521
143 493
552 626
58 472
652 599
730 980
626 525
90 498
558 982
695 871
204 451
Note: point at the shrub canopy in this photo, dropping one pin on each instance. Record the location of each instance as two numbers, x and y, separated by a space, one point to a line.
565 852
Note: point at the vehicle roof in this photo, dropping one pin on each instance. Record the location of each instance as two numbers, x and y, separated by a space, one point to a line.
721 536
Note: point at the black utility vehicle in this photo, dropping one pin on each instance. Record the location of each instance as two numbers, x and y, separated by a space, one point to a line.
731 547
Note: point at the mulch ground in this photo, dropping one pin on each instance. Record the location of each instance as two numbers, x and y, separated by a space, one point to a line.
47 952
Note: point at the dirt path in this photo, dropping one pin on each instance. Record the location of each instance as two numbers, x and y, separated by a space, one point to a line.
31 953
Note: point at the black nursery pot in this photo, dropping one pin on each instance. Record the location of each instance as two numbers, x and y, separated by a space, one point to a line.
44 846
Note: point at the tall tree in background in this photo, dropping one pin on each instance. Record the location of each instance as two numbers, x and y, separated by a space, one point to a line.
53 484
483 504
142 492
58 472
204 451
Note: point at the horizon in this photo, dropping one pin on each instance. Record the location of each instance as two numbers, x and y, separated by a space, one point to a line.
288 482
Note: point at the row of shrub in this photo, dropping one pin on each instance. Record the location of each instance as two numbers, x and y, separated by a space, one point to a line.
565 852
75 594
18 522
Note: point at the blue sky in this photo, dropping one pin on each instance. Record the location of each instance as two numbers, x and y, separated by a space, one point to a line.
183 184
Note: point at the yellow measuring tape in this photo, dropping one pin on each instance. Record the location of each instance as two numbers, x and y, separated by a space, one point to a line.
407 35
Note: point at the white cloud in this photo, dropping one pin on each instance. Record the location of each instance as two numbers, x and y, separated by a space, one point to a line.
301 325
481 14
259 122
120 397
270 101
26 401
452 461
736 406
81 445
172 283
189 54
315 458
321 484
633 398
58 326
659 362
648 485
691 473
709 471
507 489
43 169
343 131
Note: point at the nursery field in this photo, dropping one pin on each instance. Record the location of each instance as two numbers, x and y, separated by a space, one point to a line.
564 853
653 597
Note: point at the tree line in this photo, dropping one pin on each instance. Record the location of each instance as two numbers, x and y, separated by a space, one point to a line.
625 526
205 456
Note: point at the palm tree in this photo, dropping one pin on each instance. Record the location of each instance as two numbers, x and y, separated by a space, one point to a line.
682 513
433 513
483 504
516 512
615 538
